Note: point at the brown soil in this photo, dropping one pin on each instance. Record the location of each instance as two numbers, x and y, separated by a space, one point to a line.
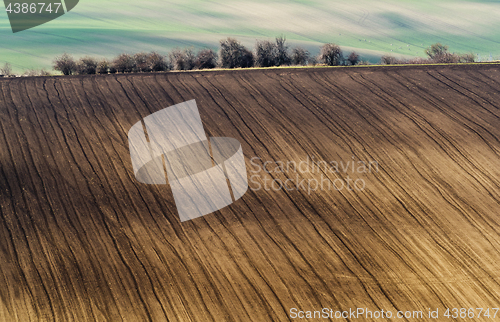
82 240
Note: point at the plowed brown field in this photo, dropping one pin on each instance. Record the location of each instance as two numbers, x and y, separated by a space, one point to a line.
82 240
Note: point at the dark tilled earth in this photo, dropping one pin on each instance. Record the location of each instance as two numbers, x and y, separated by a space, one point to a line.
82 240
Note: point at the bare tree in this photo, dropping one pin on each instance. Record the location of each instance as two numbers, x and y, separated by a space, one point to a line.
300 56
265 54
388 60
268 54
233 54
282 55
103 67
124 63
157 62
437 51
6 70
86 66
142 63
206 59
331 55
65 64
353 58
182 59
468 58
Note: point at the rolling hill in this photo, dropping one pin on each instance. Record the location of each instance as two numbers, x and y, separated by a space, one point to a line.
106 29
82 240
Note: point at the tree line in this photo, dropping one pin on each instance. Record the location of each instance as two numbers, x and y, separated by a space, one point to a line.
232 54
436 54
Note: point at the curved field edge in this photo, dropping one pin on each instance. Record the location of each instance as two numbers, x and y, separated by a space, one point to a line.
371 66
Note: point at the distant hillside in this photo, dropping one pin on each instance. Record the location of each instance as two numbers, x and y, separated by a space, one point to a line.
373 28
82 240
